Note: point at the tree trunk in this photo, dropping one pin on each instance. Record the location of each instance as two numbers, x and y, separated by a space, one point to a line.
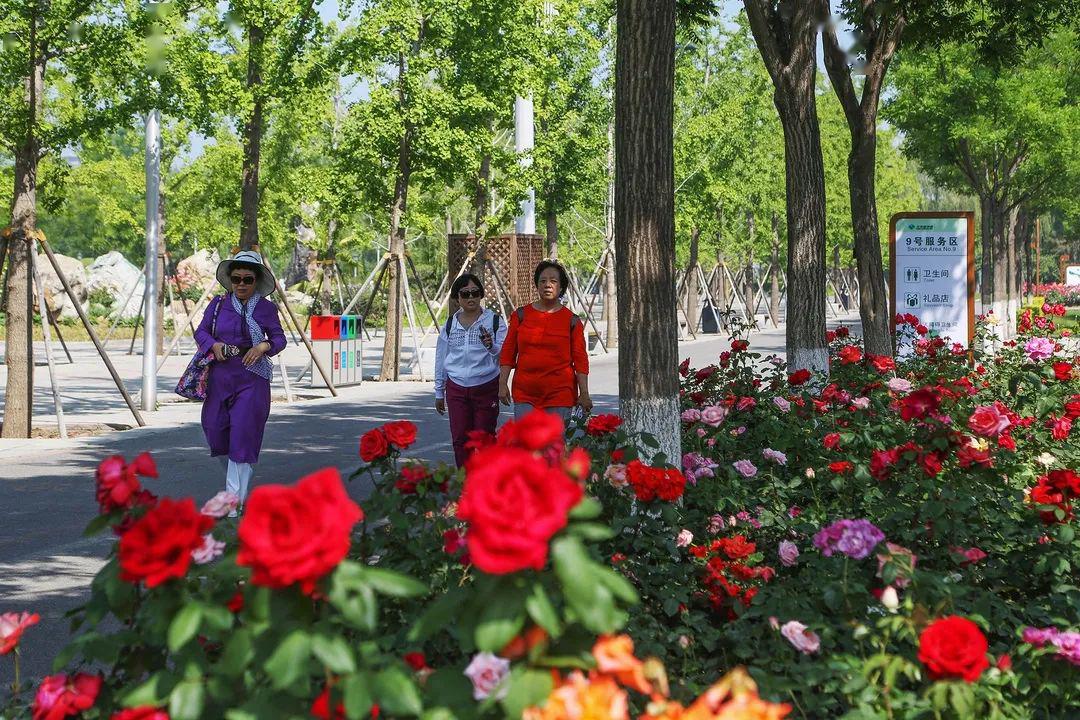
805 184
482 197
253 129
391 359
1017 219
873 299
986 270
774 274
302 254
997 222
692 291
552 221
645 221
19 344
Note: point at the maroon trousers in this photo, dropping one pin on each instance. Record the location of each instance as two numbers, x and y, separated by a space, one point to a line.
471 408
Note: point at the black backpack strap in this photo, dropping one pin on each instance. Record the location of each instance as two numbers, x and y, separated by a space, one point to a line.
520 312
574 322
449 322
495 325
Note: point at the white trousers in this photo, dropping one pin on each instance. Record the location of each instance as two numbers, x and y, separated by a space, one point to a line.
237 476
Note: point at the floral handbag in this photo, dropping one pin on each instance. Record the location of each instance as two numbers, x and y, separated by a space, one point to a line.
194 379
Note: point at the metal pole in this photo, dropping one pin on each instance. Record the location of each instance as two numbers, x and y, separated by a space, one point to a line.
525 223
47 337
150 290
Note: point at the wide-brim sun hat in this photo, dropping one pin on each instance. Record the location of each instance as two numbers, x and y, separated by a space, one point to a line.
264 282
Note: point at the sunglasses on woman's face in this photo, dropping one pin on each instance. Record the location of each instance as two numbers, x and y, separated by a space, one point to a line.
243 279
470 294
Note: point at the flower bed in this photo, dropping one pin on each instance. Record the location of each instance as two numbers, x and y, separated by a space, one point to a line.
893 542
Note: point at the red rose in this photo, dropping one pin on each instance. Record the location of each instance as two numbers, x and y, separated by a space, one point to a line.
831 441
144 465
116 484
400 433
12 626
736 547
617 456
158 546
919 404
881 463
453 541
684 367
969 454
931 464
416 661
321 707
539 430
373 445
650 483
849 355
1059 428
1072 407
478 439
236 602
882 363
513 503
61 696
603 424
410 477
705 373
141 713
739 345
1067 481
1063 371
841 466
297 534
988 421
1045 494
953 648
798 377
577 464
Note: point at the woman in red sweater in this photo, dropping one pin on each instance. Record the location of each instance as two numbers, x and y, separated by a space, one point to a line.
545 349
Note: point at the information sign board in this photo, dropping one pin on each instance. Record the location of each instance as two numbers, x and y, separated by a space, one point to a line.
932 271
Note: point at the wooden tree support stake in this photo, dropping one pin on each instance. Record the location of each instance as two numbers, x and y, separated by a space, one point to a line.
54 381
89 328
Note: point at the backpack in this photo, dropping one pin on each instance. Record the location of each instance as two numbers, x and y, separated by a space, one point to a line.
574 322
494 326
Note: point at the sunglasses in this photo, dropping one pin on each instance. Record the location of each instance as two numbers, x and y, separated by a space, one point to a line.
242 279
469 294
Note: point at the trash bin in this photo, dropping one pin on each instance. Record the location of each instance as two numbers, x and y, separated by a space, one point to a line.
709 317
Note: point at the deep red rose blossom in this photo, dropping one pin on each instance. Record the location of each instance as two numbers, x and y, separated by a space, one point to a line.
513 503
373 445
400 433
61 696
882 363
849 355
539 430
158 546
919 404
798 377
298 534
603 424
953 648
116 484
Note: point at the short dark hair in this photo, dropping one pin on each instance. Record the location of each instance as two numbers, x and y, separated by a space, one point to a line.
241 265
463 281
564 279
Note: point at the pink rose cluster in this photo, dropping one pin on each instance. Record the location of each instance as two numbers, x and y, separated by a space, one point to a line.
696 466
1039 348
1067 642
854 538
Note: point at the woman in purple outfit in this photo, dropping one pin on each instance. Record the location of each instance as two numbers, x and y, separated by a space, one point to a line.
242 330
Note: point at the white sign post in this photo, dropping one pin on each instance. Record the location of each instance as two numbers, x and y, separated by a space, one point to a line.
932 271
1072 275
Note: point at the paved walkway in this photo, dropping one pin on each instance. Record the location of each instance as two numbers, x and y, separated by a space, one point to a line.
47 488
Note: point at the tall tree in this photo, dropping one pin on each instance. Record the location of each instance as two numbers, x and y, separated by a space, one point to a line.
89 48
786 35
645 220
1005 134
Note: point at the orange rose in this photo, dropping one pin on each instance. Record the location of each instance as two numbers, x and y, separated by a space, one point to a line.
581 698
615 656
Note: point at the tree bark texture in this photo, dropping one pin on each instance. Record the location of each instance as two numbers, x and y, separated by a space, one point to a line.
787 38
645 221
611 301
748 269
997 220
19 343
253 130
391 359
881 34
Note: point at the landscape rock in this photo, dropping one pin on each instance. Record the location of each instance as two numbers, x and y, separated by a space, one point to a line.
57 299
113 273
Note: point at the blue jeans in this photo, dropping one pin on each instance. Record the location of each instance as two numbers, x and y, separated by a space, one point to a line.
523 409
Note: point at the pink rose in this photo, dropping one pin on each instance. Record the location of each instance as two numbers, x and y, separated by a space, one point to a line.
861 403
746 403
1039 348
782 404
700 432
788 552
904 560
210 551
745 468
775 455
692 415
616 474
988 420
714 415
487 672
805 641
716 524
684 538
899 385
221 504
